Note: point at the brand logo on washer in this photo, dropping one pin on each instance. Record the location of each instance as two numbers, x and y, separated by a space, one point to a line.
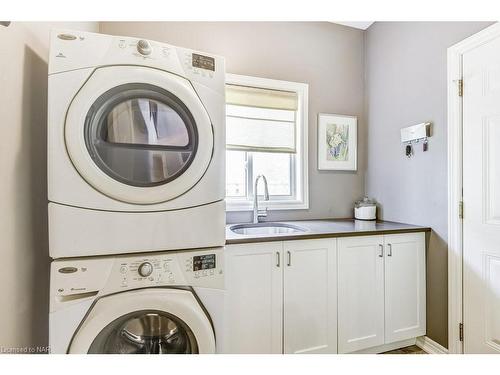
68 270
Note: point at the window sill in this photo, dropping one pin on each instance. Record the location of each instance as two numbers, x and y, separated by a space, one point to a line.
234 206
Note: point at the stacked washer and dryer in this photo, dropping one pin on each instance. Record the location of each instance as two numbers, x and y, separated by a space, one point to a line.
136 146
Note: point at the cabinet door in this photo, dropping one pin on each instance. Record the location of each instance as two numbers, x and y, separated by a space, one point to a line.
310 296
254 299
404 286
360 293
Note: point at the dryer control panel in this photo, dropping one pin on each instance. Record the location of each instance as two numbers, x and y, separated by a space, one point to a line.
203 268
71 49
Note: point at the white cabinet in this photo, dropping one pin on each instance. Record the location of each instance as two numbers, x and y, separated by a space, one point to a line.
360 293
254 300
404 286
310 296
324 295
381 282
288 284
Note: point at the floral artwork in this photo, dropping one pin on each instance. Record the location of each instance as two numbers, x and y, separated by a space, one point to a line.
337 139
337 142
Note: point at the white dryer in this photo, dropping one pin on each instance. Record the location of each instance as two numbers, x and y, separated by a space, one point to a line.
136 146
161 303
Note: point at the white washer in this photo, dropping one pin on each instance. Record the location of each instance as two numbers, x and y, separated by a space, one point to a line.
136 146
165 303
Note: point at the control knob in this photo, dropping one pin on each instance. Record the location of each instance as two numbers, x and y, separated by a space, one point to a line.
143 47
145 269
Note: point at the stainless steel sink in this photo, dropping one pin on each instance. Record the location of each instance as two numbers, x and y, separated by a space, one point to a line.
266 229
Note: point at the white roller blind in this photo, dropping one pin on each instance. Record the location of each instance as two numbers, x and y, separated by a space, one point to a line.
262 98
260 119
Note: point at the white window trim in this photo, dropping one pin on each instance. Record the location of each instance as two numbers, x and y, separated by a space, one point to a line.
301 164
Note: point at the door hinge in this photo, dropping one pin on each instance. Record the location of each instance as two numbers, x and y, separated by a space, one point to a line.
460 87
461 209
461 331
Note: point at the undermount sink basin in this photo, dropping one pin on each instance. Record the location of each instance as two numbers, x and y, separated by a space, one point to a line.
265 228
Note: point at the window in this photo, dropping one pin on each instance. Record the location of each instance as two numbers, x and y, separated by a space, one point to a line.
266 133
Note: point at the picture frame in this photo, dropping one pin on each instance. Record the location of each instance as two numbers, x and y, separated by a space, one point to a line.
337 142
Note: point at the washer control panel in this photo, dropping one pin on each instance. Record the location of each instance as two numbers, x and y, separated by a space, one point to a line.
203 268
179 268
147 270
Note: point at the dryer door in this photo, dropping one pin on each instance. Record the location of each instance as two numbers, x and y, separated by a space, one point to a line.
147 321
138 135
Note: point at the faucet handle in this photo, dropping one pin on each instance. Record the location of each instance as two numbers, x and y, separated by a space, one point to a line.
261 214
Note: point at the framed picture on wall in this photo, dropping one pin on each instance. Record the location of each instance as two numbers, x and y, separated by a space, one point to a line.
337 142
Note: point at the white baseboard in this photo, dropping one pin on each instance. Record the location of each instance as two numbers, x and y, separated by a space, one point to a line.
430 346
387 347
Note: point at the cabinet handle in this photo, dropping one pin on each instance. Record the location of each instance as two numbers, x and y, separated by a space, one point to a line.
389 253
277 259
381 247
289 263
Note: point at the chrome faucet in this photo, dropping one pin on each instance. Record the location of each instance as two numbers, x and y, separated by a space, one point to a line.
258 214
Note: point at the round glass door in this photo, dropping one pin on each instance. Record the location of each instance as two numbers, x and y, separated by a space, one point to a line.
145 332
141 135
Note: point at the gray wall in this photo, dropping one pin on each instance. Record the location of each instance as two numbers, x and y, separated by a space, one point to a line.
326 56
24 280
405 85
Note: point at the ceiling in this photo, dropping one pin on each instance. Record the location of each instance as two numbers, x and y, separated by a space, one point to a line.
358 25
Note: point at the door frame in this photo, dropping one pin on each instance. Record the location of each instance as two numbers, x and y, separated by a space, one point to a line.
455 181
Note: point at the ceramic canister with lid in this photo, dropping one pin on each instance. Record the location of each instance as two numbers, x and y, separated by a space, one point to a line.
365 209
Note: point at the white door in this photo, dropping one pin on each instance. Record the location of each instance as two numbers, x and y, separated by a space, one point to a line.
360 293
310 296
254 298
481 195
145 321
404 286
138 135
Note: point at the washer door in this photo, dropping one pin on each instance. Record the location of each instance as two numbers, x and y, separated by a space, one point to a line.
138 135
147 321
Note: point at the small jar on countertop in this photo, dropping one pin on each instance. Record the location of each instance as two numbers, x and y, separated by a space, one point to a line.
365 209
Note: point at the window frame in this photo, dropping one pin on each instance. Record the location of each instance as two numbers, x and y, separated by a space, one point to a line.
299 164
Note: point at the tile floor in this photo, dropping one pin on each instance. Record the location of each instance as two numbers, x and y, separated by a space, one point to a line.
414 349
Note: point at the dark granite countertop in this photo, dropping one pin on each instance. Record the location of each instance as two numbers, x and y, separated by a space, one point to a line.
325 228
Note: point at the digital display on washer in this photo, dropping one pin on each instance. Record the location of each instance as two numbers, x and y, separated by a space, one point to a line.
203 262
203 62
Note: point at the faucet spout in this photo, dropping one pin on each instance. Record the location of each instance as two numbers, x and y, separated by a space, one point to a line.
258 214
